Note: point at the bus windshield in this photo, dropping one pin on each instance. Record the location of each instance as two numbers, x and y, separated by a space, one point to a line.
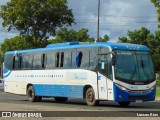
134 66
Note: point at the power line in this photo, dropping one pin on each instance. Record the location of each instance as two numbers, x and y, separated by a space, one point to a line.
118 23
122 16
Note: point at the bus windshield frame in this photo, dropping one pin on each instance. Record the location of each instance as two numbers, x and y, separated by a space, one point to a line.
134 67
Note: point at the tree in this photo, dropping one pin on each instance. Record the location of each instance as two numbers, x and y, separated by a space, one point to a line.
137 36
144 37
104 39
82 35
157 5
65 35
16 43
36 19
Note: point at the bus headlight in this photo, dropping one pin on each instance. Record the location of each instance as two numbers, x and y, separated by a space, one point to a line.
152 88
121 87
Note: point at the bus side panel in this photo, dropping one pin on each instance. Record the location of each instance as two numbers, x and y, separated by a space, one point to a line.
11 85
68 82
71 91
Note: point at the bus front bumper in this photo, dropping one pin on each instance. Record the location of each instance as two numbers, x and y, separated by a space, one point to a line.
125 96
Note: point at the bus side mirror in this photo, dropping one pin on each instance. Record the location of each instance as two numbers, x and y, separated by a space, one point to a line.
113 58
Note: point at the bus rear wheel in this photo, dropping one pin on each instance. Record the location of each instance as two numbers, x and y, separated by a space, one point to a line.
31 95
90 97
124 104
61 99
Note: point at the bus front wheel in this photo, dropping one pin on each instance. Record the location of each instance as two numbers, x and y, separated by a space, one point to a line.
90 97
124 104
30 94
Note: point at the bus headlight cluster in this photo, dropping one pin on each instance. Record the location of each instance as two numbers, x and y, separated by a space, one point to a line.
152 88
121 87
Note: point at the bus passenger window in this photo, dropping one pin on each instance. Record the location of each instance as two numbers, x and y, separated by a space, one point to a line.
67 59
13 65
37 63
62 58
26 61
79 59
73 60
50 60
57 60
43 61
16 62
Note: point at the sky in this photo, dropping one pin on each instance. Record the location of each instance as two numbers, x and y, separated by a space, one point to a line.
116 17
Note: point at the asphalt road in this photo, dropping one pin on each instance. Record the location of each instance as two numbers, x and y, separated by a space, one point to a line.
80 104
11 102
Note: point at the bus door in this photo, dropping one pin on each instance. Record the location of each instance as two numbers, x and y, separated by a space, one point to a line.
105 83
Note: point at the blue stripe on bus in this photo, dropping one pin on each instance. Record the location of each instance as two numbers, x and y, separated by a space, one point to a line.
125 95
71 91
5 70
6 75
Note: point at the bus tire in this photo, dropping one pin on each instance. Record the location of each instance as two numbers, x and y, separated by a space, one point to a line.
31 94
90 97
124 104
61 99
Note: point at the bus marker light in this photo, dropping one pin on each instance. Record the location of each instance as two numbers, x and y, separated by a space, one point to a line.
120 96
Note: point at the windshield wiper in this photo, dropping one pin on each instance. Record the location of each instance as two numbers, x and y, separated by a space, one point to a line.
132 75
142 64
143 67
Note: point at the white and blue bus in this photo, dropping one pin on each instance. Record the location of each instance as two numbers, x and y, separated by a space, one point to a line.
95 72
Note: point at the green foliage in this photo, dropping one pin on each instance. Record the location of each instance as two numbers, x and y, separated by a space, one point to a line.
18 43
157 5
137 36
158 81
65 35
158 92
144 37
104 39
36 18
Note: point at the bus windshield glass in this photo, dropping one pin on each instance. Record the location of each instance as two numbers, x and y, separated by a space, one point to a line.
134 66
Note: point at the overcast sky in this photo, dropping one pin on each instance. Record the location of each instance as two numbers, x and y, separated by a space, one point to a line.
116 17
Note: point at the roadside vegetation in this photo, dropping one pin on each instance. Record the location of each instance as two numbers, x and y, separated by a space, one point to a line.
158 81
158 92
158 88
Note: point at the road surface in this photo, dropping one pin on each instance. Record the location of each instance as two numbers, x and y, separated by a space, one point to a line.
11 102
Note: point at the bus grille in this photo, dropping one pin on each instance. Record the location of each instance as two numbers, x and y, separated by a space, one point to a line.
133 98
139 91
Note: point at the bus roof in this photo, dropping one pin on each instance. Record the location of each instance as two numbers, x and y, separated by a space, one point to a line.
72 45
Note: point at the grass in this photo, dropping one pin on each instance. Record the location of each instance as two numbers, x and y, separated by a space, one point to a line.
158 92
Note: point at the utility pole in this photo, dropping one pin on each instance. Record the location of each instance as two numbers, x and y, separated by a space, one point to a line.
98 21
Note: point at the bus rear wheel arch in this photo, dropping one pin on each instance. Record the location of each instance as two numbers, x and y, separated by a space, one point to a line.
90 97
31 95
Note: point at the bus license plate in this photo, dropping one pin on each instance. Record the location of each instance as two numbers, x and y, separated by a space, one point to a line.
138 101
